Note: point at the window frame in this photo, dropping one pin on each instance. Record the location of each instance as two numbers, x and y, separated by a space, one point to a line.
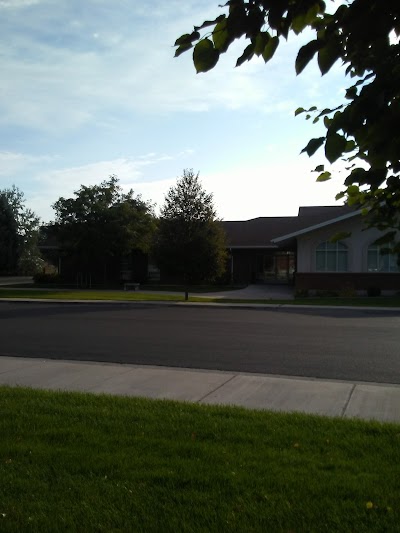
391 258
326 249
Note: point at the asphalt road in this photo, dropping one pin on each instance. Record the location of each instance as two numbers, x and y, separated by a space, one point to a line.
350 345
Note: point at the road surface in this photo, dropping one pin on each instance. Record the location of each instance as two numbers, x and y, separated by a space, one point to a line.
338 344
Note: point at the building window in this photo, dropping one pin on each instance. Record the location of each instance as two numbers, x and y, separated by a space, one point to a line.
331 257
381 262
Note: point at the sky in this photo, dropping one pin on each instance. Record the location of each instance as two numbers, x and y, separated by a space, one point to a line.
92 89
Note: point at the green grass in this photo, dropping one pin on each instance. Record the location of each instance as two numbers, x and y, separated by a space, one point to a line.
93 294
62 294
75 462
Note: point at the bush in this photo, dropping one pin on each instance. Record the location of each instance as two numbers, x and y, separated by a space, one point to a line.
44 278
327 294
373 291
301 293
348 291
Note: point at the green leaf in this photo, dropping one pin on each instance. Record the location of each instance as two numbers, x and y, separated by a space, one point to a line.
270 48
208 23
205 56
313 146
187 38
325 111
350 146
334 147
385 239
340 195
260 42
351 93
353 190
298 111
319 168
303 20
328 55
306 53
220 36
182 48
275 15
247 55
183 39
325 176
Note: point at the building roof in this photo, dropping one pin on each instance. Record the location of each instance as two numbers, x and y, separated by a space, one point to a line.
267 232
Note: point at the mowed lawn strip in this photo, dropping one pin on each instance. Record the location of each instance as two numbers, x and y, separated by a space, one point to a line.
81 462
62 294
70 294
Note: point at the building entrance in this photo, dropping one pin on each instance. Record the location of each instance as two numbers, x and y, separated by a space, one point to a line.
276 267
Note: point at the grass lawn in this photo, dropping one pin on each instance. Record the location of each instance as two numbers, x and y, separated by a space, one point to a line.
93 294
80 462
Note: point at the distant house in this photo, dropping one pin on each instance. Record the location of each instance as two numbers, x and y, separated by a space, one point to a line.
298 250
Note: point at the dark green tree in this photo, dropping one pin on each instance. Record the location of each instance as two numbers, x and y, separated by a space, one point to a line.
29 258
363 35
190 242
9 241
102 223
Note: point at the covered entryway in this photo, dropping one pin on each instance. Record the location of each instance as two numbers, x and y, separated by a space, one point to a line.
275 266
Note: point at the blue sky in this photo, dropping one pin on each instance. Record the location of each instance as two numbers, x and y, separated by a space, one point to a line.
91 89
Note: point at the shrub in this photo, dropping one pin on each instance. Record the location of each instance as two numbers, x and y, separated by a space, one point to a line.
43 278
301 293
326 293
348 291
373 291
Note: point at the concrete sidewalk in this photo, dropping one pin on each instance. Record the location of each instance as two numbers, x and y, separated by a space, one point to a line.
257 391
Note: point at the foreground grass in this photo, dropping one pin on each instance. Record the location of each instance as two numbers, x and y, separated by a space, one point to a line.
93 294
74 462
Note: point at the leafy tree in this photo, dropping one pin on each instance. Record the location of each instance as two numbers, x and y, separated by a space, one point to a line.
27 223
190 243
101 223
363 35
8 238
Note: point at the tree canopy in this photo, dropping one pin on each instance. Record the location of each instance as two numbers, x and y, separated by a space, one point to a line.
8 238
190 242
101 222
363 35
27 227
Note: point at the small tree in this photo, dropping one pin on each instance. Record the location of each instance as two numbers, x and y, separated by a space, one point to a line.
190 242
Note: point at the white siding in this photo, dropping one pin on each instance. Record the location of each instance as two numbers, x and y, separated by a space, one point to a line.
357 244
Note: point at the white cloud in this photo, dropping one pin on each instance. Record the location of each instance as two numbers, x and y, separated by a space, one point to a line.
15 4
89 76
86 68
12 163
58 182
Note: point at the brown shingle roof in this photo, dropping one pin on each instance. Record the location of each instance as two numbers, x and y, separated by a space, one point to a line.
259 232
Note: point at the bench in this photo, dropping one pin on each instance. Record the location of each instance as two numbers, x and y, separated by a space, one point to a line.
131 285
